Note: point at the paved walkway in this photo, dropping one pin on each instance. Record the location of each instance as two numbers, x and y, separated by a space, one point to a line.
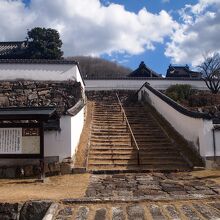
145 196
157 186
193 210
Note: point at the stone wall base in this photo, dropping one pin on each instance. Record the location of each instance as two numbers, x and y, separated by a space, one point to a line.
32 168
212 162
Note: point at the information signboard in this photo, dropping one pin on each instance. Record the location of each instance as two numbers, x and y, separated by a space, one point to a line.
19 140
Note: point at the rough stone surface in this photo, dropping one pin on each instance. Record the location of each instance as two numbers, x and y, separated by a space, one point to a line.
82 213
10 172
117 213
206 212
63 95
150 186
54 167
34 210
156 212
9 211
66 168
100 214
28 171
135 212
172 212
190 213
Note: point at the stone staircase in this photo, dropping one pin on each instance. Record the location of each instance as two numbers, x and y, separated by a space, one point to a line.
110 142
157 150
111 146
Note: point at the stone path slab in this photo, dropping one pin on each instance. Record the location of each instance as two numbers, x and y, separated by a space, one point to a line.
186 210
153 186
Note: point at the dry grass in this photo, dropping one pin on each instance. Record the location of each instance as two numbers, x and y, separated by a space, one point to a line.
62 187
55 188
208 174
81 154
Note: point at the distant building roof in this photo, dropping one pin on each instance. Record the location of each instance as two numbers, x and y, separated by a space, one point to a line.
182 71
23 93
12 49
143 71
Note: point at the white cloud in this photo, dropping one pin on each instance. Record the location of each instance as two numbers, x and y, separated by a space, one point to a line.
87 27
197 35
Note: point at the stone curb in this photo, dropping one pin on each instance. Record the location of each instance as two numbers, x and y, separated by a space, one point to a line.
51 212
140 199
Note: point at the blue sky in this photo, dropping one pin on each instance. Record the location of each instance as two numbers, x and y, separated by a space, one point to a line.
154 59
158 32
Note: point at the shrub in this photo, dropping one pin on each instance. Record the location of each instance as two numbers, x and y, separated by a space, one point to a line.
200 100
179 92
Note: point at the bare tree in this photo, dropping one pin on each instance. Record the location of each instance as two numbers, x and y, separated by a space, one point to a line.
210 69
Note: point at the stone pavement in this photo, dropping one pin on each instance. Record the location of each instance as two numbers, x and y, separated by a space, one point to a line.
142 196
154 186
193 210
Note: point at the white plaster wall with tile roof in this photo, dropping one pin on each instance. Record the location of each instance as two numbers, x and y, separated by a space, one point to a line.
135 84
196 130
44 72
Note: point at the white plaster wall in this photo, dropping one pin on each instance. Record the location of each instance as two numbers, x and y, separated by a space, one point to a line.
195 130
217 142
135 84
59 72
58 143
77 123
78 76
64 143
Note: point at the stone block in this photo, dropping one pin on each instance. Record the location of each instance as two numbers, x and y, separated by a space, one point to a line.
82 213
54 167
34 210
135 212
100 214
9 211
66 168
78 170
10 172
28 171
117 213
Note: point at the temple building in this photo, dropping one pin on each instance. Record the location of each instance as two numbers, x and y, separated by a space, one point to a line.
143 71
182 71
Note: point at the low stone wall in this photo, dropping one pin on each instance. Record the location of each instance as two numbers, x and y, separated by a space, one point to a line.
29 210
34 170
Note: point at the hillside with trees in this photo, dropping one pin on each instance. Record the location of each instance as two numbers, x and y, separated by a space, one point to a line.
99 68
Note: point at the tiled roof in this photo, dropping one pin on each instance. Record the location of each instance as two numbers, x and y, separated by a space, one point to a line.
182 71
11 48
61 95
37 61
143 71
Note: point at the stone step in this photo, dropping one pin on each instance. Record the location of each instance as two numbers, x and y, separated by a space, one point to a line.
102 168
103 148
113 157
143 154
123 162
115 140
143 158
110 136
106 131
109 126
133 160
